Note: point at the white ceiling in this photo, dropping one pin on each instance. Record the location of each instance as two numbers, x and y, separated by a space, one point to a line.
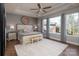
24 8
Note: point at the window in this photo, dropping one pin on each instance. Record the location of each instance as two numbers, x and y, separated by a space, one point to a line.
55 25
44 25
72 24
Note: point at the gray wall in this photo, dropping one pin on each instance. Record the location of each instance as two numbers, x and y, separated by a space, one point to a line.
39 24
12 19
32 21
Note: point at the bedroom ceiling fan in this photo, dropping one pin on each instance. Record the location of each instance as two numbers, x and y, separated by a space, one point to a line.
40 9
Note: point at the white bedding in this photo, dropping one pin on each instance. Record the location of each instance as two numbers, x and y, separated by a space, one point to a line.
31 38
28 33
44 47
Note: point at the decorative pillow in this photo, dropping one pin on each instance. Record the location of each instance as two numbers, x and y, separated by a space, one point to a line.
21 31
28 29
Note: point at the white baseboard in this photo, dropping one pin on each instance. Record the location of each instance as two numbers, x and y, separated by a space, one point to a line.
72 43
66 41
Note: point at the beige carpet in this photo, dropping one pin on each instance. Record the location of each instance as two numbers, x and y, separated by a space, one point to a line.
44 47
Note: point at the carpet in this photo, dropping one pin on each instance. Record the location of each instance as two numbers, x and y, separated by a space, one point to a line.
44 47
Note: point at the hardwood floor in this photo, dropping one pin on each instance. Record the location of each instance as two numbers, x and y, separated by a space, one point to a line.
71 50
10 50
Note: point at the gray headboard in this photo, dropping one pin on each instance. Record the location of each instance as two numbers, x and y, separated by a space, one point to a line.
28 28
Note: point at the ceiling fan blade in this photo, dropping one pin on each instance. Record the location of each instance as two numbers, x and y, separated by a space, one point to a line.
44 11
39 5
47 7
37 12
33 9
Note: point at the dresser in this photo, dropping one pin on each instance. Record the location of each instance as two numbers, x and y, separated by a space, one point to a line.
11 35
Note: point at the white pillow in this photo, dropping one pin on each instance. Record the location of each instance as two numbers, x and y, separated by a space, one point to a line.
28 29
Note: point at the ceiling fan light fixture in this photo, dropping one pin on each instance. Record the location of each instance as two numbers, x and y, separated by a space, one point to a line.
41 10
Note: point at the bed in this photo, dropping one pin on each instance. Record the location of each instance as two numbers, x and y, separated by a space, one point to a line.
27 35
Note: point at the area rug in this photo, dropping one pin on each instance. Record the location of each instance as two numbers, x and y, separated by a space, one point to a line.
44 47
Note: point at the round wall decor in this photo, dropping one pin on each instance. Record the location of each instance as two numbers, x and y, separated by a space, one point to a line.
24 20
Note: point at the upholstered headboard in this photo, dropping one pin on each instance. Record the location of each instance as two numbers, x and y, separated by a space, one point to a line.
28 28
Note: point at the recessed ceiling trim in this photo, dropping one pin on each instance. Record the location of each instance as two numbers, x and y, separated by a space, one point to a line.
18 9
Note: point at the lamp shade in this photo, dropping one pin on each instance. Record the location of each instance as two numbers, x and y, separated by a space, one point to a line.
12 27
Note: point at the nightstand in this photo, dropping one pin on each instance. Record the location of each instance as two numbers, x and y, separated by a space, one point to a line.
11 35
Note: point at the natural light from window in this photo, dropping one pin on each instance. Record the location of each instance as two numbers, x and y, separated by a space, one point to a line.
72 24
44 25
55 25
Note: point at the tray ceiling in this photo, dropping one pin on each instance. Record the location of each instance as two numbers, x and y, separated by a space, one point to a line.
24 8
